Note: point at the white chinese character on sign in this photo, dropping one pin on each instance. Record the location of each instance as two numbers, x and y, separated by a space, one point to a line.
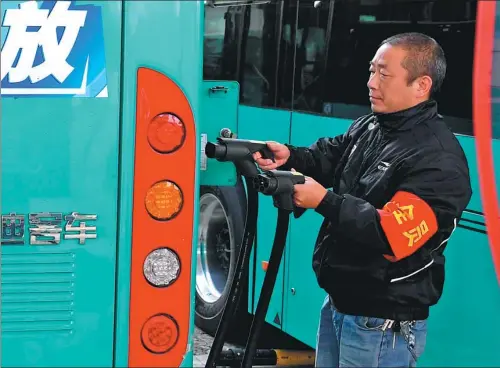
21 38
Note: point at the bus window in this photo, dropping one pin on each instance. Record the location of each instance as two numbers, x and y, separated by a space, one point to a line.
258 56
260 70
359 26
288 38
241 43
310 59
220 45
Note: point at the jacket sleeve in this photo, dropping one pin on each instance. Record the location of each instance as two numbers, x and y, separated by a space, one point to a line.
319 160
427 203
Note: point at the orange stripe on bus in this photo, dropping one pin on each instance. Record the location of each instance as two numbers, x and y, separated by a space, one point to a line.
483 64
167 307
408 222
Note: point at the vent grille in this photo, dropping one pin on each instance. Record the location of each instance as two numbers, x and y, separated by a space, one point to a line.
37 292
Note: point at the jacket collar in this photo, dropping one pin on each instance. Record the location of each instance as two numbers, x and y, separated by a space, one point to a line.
408 118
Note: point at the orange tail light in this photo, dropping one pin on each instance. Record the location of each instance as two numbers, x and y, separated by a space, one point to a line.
162 232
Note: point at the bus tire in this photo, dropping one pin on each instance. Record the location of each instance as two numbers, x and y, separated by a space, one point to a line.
220 232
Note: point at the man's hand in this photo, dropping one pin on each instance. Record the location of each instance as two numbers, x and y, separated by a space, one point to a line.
310 194
281 155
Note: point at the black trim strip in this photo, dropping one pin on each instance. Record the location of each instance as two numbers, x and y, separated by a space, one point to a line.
472 229
474 212
481 223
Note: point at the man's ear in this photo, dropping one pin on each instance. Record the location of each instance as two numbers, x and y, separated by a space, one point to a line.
423 86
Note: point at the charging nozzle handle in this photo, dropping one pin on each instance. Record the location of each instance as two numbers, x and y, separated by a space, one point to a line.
240 152
280 185
298 211
285 201
247 168
235 147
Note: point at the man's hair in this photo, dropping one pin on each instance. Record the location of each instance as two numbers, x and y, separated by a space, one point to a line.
424 57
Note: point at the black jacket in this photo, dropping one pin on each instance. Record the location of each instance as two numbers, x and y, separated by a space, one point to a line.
399 184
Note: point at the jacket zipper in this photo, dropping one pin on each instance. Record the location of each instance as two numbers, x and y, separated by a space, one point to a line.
372 147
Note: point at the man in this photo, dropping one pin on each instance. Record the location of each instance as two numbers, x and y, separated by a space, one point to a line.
400 182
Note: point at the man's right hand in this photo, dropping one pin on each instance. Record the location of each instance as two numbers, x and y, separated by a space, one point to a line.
281 155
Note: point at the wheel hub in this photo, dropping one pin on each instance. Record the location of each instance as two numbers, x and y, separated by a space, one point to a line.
215 249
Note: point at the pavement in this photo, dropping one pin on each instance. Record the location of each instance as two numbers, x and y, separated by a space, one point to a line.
202 345
200 360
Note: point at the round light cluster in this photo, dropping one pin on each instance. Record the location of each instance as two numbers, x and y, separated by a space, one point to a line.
164 200
166 133
160 333
162 267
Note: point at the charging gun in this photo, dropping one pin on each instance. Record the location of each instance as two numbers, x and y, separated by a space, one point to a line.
240 152
280 185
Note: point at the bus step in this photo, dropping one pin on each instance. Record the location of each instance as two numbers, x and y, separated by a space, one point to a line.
268 357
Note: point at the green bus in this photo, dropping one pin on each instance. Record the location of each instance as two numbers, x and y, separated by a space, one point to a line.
302 69
119 235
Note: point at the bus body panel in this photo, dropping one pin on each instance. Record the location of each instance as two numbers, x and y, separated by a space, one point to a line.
303 233
60 155
219 101
176 52
72 151
467 300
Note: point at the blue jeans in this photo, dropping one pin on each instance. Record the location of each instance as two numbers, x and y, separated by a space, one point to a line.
354 341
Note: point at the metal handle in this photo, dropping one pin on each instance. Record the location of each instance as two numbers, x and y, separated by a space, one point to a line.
218 89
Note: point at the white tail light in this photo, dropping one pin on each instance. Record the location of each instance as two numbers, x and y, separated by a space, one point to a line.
162 267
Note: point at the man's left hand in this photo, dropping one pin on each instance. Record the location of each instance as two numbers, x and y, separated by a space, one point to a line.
310 194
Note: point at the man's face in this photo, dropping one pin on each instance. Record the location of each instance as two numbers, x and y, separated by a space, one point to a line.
388 87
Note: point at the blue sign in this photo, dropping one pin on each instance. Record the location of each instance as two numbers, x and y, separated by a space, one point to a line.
52 48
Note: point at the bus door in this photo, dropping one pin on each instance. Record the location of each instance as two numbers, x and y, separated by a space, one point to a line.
311 57
266 83
60 88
